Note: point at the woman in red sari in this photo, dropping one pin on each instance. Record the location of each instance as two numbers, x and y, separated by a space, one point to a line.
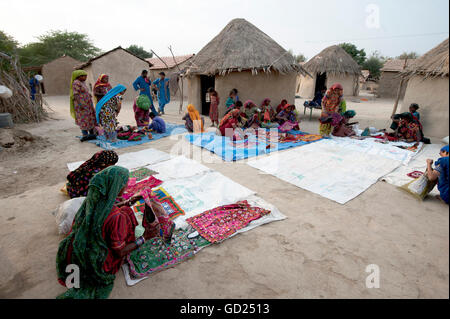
229 121
101 87
214 106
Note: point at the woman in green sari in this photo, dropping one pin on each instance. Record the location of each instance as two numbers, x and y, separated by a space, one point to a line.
102 235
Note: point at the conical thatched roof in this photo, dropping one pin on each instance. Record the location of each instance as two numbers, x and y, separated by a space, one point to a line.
434 63
241 46
333 60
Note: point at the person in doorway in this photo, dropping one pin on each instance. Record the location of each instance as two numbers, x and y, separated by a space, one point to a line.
143 84
162 84
214 106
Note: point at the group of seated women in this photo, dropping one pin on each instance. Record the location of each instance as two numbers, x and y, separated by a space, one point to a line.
407 126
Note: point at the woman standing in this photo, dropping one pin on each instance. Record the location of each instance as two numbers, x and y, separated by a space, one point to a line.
81 106
101 87
107 110
214 106
78 180
102 235
332 104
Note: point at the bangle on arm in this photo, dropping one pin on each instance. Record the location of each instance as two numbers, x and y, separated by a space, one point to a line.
140 241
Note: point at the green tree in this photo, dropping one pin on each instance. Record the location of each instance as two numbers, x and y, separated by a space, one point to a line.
358 55
410 55
374 64
298 57
8 44
55 44
140 51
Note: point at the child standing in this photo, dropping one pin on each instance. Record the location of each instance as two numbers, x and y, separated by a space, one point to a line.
214 106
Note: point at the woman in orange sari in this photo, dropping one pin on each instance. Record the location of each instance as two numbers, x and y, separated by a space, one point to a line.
194 122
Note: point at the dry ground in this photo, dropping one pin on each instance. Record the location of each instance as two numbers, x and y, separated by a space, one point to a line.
320 251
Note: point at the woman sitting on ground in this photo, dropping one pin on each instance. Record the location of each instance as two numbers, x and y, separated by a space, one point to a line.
229 123
287 119
107 110
78 180
280 106
157 125
343 129
194 123
440 172
252 113
408 130
232 99
102 234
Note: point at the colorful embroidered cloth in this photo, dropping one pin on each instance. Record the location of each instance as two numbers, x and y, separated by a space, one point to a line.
171 207
142 173
135 188
221 222
155 255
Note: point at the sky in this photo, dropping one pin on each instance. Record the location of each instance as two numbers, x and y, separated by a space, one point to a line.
305 26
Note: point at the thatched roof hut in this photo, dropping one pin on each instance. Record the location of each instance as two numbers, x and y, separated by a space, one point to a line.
242 56
428 86
330 66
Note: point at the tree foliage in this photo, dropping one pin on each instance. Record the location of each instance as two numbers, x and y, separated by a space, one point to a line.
140 51
409 55
358 55
298 57
9 46
374 64
55 44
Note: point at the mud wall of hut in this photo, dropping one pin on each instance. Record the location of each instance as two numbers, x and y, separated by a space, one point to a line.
57 75
389 84
432 95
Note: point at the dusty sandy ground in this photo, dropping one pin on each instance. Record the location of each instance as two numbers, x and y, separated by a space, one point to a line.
320 251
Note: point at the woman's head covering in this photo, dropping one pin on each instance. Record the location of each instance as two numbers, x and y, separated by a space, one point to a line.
248 104
337 86
229 115
195 118
349 114
100 82
111 93
445 149
265 101
89 249
75 74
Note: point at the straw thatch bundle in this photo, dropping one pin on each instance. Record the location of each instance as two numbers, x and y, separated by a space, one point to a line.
432 64
241 46
333 60
20 105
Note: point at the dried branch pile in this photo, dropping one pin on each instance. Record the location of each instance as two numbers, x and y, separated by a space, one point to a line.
20 105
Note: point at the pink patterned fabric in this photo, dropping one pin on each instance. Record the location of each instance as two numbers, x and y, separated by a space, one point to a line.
221 222
136 188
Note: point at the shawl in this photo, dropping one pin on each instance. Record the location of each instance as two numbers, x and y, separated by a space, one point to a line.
85 243
195 118
332 100
75 75
111 93
233 113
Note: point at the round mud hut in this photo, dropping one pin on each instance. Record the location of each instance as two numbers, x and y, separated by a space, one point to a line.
243 57
332 65
428 86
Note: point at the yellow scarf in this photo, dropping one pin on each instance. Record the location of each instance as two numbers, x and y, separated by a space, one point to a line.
196 119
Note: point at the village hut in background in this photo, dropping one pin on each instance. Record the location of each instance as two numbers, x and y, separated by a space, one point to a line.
120 65
332 65
428 86
243 57
390 78
169 67
56 75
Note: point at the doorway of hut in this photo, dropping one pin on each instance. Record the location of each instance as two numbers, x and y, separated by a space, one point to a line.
206 82
321 82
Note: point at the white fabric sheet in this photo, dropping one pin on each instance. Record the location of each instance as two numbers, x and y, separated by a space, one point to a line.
134 160
177 167
419 163
339 169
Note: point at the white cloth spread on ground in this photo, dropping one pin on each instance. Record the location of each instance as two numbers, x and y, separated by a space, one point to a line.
339 168
134 159
399 176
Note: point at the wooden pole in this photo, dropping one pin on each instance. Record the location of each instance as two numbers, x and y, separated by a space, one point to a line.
399 91
181 89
